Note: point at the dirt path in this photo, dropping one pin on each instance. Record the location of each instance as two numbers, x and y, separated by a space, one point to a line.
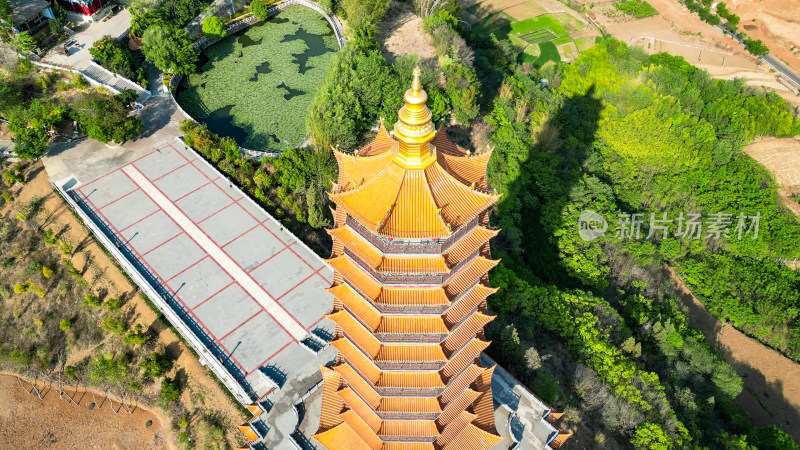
28 422
202 391
771 381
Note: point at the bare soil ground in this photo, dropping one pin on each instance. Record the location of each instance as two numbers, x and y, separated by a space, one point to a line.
28 422
201 390
777 23
402 34
678 31
771 394
779 156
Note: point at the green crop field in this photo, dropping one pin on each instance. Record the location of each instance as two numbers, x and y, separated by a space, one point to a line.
545 21
256 85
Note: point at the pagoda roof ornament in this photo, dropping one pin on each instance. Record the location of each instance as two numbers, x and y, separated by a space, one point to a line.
414 128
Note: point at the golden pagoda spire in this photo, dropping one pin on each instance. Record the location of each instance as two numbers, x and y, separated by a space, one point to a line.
414 128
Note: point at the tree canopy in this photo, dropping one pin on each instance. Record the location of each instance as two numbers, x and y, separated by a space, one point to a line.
170 49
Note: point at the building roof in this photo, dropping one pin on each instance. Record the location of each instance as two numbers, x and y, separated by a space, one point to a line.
25 10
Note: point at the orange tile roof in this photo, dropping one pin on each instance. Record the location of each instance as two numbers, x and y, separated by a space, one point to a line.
415 213
412 325
455 406
410 353
445 145
416 428
467 169
413 296
248 431
467 275
360 307
559 440
463 357
454 427
387 263
459 203
358 359
466 246
465 305
383 142
466 330
367 285
363 430
342 436
460 382
410 379
408 446
474 438
410 405
356 276
354 170
332 404
362 387
360 407
355 331
484 406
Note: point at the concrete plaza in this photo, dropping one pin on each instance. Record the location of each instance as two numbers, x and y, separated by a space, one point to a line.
245 286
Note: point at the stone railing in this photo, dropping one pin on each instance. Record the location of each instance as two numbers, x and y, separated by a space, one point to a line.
408 246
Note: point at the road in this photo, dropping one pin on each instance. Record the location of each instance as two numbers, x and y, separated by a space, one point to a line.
780 67
770 60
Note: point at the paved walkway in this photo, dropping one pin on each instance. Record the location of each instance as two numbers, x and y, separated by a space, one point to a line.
79 57
215 252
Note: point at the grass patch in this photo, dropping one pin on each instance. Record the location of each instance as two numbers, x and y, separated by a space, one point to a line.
562 40
636 8
537 23
256 85
548 52
585 44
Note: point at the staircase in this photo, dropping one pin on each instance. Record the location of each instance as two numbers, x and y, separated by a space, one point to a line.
118 83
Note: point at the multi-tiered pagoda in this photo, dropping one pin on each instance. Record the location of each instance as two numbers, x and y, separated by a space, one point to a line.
411 257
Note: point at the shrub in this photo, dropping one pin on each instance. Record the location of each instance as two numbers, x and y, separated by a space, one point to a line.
71 372
47 272
113 304
156 365
260 8
8 197
214 27
20 288
92 300
79 81
169 392
114 324
136 336
65 325
66 249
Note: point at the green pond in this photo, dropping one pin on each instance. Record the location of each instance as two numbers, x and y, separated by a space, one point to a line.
256 85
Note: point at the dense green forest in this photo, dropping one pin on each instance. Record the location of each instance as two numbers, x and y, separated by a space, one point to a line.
621 132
